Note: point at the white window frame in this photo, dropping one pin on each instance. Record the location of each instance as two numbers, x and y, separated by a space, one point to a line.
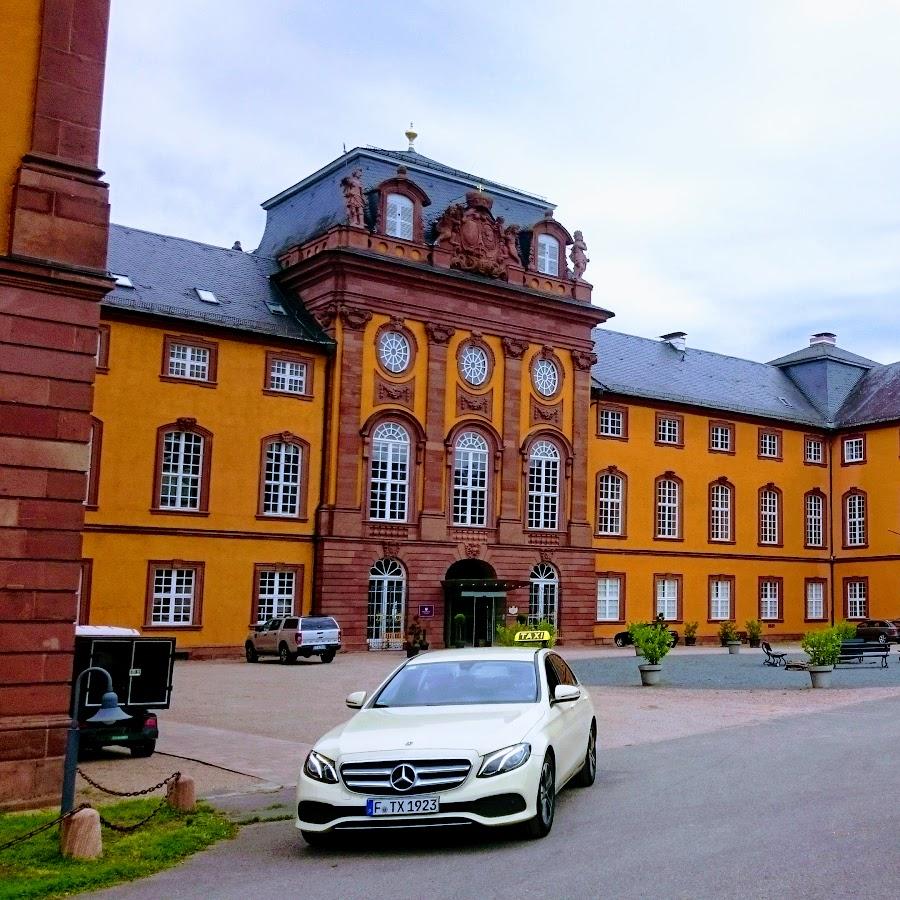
470 480
389 473
610 502
174 595
768 445
857 600
188 361
815 606
394 351
548 255
386 605
668 430
543 486
720 438
855 515
769 600
813 451
543 595
287 376
398 213
473 365
281 479
276 593
667 598
612 422
181 470
853 449
720 500
667 508
768 517
720 599
609 598
814 514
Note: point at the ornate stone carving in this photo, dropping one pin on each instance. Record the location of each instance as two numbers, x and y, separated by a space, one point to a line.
397 323
473 550
437 333
583 359
354 319
476 240
351 185
546 555
547 352
390 549
186 422
473 403
578 255
514 348
545 415
388 392
326 316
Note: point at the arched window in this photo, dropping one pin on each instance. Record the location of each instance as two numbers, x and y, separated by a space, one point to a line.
281 478
668 507
769 515
470 480
389 480
543 597
721 512
399 217
548 255
610 504
387 596
855 519
543 486
183 452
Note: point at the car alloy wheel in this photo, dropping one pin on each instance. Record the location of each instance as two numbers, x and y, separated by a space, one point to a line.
541 824
250 653
619 641
588 772
285 657
882 638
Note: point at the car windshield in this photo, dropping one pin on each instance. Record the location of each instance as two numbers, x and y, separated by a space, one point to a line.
461 683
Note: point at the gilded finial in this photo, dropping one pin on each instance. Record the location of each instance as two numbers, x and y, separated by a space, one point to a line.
411 137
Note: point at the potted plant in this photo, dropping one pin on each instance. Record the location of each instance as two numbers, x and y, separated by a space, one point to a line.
633 628
754 631
415 638
690 633
459 629
824 650
653 644
729 637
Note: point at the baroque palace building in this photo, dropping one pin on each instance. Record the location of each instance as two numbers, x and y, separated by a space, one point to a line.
401 405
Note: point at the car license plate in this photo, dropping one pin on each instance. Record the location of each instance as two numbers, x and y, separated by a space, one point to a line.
118 737
402 806
318 646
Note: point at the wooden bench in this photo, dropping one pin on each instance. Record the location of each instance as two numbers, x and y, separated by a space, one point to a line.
773 657
854 652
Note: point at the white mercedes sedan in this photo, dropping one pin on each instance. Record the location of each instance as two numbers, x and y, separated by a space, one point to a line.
482 736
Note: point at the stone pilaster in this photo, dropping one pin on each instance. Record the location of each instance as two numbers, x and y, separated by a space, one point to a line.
580 529
510 523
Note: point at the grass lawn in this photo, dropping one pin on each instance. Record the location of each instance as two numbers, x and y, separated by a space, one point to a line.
35 868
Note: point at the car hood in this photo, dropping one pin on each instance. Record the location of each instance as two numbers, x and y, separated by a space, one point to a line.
414 729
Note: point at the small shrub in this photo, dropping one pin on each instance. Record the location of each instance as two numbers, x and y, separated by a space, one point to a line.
727 632
506 634
690 629
822 647
754 629
653 643
846 630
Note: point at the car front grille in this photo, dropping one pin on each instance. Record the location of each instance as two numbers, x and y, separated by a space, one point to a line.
428 776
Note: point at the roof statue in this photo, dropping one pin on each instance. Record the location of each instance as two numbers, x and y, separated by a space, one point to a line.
578 255
476 240
351 185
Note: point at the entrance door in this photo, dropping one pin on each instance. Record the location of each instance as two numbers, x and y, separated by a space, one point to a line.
387 596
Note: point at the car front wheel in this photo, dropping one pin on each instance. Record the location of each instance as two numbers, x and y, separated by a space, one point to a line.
541 824
588 772
619 640
285 657
250 653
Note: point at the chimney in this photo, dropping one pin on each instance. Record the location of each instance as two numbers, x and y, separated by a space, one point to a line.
823 337
678 339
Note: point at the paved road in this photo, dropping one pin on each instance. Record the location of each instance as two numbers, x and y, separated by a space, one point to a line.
773 809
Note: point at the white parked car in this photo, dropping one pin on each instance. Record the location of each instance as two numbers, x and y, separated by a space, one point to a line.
482 736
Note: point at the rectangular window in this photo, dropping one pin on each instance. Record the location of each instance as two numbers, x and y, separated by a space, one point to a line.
813 451
609 599
188 362
721 437
667 597
770 444
855 514
101 357
815 599
720 597
668 429
815 520
720 512
768 517
276 592
281 479
609 504
612 422
174 590
667 508
770 598
856 598
854 450
181 472
288 373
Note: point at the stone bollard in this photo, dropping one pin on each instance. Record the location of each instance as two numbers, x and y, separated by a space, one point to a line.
180 794
79 835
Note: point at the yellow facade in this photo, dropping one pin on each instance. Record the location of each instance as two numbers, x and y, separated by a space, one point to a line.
18 80
122 534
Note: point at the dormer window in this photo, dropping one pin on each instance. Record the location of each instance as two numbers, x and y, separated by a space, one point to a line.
548 255
399 217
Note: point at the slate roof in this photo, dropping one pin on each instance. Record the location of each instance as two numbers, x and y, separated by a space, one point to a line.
876 398
654 370
316 203
823 350
166 270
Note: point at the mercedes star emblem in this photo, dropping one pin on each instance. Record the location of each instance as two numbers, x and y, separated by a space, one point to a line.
403 777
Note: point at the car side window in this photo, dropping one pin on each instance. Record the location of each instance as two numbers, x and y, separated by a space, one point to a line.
291 623
273 625
552 677
564 673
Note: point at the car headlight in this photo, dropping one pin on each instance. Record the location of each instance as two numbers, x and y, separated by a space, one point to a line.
320 768
504 760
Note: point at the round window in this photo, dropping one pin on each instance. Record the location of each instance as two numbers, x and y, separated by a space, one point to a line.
546 377
473 364
393 350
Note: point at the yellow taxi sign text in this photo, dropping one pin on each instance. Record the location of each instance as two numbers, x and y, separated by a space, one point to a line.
527 637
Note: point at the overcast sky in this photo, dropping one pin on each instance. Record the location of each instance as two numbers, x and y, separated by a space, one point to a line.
734 164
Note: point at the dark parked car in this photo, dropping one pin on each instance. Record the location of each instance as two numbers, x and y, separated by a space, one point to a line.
623 639
880 630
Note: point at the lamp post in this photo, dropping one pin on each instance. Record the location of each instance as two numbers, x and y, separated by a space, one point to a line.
108 713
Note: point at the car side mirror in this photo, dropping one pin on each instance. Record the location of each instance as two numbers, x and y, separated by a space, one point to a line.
566 693
356 699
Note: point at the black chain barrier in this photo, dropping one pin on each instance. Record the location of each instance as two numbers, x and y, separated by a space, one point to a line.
44 827
127 829
173 777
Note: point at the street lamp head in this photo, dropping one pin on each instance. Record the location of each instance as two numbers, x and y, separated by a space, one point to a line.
110 710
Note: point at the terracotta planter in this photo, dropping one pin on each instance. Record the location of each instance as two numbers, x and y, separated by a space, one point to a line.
650 675
820 675
734 646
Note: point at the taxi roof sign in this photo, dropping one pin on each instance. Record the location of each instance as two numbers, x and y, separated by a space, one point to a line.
529 637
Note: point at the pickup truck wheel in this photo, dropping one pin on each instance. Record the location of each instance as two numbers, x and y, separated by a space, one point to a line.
285 657
328 656
143 749
250 653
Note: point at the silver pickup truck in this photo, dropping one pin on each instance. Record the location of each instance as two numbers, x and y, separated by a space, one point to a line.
294 636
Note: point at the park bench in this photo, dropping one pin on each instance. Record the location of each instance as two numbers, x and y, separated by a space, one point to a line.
773 657
854 652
